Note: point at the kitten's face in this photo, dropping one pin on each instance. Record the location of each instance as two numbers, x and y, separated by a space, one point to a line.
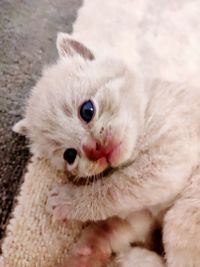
84 113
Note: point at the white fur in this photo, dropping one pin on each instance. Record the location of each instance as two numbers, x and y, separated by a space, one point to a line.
139 257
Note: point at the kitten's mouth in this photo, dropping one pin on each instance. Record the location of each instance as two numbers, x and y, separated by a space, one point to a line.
93 178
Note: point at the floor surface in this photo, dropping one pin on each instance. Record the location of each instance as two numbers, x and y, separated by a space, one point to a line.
27 42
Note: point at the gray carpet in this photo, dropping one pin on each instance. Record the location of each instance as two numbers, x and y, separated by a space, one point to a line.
27 41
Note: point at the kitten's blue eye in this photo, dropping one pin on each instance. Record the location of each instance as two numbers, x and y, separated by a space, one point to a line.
87 111
70 155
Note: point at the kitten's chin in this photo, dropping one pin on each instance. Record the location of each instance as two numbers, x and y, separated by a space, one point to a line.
85 180
105 166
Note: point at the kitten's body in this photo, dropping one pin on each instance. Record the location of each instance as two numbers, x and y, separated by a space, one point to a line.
163 178
154 125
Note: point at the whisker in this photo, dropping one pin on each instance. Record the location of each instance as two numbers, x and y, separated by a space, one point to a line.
93 198
76 178
87 180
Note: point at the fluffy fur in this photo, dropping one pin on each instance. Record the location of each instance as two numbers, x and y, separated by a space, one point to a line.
154 123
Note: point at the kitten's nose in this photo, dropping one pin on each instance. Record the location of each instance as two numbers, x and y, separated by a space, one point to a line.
94 150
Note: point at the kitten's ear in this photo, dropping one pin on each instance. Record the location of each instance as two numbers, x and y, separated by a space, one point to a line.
21 127
68 47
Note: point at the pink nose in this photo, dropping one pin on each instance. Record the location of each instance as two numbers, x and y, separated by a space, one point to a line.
95 150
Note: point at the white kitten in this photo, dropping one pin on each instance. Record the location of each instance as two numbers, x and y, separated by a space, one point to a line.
136 143
88 115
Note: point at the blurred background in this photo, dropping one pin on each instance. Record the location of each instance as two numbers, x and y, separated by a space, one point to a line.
27 42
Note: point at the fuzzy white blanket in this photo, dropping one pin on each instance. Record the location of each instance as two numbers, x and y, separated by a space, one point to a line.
33 239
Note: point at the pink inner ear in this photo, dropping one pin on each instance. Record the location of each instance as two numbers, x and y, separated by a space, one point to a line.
81 49
65 48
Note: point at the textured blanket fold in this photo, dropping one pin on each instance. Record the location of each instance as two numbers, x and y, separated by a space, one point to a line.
33 239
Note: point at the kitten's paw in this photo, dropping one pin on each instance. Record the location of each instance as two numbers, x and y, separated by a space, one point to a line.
86 257
82 261
58 202
92 250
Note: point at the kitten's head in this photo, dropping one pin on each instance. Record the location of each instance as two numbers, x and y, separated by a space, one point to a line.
84 114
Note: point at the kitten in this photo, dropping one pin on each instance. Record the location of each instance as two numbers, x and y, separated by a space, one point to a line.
134 143
89 115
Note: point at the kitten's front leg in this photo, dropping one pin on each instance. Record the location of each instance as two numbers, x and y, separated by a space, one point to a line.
97 201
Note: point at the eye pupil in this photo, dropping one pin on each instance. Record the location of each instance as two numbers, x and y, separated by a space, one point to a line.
87 111
70 155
